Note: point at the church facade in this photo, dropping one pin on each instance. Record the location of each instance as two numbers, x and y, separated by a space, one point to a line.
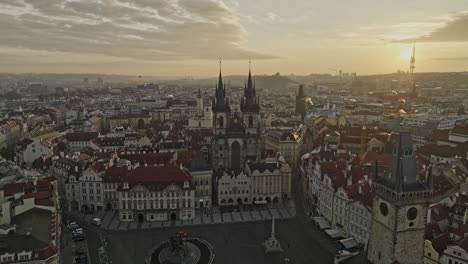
236 133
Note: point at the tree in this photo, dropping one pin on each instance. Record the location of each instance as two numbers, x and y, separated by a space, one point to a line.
61 146
7 153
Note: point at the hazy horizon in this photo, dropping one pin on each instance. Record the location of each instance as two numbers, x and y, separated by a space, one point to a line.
185 38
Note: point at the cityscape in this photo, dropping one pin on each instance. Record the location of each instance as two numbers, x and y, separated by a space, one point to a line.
233 132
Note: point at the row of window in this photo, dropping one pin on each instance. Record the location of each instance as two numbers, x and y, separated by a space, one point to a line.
155 194
90 184
159 204
98 191
91 198
234 192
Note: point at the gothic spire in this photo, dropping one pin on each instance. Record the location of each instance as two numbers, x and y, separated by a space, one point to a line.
249 80
249 102
220 79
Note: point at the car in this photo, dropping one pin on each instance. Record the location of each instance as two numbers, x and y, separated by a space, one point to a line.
78 235
96 221
79 238
74 227
81 259
79 253
72 223
78 230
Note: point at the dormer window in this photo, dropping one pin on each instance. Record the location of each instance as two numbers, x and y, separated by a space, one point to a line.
125 185
186 184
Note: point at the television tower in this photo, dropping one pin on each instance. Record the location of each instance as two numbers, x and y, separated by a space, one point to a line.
412 67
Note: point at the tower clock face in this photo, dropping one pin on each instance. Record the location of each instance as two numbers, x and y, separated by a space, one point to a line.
384 209
412 213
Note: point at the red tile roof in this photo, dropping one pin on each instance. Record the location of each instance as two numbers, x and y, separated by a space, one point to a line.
148 158
460 130
440 134
11 189
365 197
148 175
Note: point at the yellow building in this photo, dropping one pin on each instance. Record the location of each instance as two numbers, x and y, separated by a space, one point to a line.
431 256
135 121
288 144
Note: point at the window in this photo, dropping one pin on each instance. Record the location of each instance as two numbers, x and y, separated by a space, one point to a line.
221 122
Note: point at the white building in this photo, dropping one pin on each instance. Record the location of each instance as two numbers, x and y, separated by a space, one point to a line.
81 141
234 189
204 116
360 212
271 180
153 193
456 254
28 150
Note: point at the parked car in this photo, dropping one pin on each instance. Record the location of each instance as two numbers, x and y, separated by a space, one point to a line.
73 226
96 221
78 234
81 259
79 238
78 230
78 253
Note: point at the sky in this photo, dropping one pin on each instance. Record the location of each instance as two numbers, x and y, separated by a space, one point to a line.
186 38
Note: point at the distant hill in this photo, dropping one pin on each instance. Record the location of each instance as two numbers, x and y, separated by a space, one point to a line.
262 82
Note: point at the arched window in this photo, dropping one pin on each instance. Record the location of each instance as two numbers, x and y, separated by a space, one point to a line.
250 121
221 122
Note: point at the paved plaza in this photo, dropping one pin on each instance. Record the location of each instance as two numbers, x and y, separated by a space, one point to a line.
237 243
286 210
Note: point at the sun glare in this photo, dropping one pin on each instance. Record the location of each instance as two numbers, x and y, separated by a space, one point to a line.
405 53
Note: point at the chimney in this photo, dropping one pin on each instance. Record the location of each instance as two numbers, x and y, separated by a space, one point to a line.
366 177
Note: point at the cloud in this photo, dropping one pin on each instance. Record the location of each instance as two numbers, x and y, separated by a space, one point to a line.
140 30
271 17
455 30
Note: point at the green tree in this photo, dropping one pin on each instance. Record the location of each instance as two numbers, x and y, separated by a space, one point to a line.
61 146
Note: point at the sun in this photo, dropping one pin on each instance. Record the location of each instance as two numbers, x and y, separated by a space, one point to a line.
405 53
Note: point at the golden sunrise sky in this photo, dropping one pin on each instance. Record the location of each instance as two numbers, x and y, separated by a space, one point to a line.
185 38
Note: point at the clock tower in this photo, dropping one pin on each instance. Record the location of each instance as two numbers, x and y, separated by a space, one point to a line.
399 209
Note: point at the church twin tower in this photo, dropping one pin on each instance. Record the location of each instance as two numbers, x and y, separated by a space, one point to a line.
236 134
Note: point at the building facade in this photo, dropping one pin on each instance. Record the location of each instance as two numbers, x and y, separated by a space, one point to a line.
236 134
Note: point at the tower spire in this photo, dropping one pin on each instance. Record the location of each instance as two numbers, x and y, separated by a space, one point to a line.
412 67
220 79
249 81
